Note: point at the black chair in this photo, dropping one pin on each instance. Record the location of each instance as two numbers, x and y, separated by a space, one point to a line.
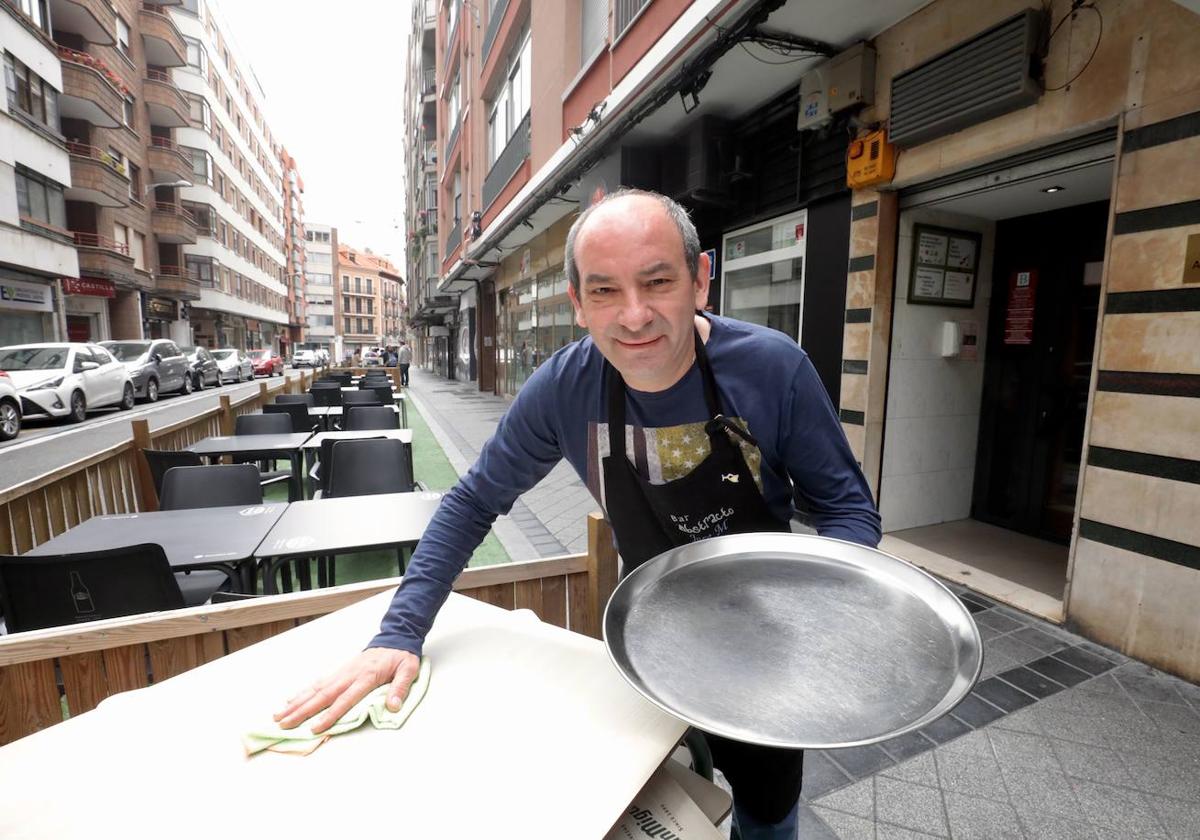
359 418
330 395
362 398
221 485
298 413
365 467
320 470
161 460
305 399
383 393
62 589
265 424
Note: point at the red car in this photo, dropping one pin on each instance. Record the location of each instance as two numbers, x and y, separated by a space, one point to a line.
266 362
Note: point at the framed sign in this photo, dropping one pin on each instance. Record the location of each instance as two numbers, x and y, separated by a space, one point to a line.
945 266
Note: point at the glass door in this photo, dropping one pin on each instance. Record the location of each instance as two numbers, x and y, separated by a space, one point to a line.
762 273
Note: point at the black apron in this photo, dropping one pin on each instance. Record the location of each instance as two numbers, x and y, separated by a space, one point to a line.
717 497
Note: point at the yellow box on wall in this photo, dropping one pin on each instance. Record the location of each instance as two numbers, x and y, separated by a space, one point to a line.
870 160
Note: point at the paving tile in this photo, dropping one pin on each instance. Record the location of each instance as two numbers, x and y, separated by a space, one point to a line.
1031 682
986 633
1103 652
1121 809
1181 819
972 744
1036 638
982 600
921 770
1172 718
1041 790
1097 764
998 621
1085 660
975 712
821 775
861 762
1016 615
1013 648
971 775
910 806
1144 683
944 729
1043 826
994 663
1059 671
1001 694
1161 776
857 799
812 827
887 831
906 746
972 818
971 606
845 826
1021 749
1025 720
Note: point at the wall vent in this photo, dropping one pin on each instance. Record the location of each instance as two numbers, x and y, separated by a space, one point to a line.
989 75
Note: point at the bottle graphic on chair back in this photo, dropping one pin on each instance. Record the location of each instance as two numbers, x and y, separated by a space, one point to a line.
80 597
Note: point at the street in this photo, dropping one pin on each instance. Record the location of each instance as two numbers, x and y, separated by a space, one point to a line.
46 444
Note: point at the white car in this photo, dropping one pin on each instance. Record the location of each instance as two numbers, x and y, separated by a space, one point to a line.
65 379
304 358
235 366
10 408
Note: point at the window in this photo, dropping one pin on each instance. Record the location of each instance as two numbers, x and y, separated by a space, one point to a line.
452 107
121 236
345 282
36 11
202 268
358 285
361 328
30 94
345 304
128 112
457 204
197 58
192 7
370 306
135 182
624 12
763 274
452 18
139 250
370 287
123 36
200 115
345 325
202 167
512 100
39 199
358 306
593 20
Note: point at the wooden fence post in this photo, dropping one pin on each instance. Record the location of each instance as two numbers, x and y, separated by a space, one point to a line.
227 421
262 394
147 495
602 568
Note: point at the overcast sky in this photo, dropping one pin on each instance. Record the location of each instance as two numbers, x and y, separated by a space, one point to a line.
333 74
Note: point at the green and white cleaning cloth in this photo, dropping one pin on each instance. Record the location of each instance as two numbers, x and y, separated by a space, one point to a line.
302 740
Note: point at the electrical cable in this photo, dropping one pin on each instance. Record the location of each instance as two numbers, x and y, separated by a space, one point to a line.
1095 48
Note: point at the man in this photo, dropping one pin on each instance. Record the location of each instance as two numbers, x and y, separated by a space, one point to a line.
725 417
404 359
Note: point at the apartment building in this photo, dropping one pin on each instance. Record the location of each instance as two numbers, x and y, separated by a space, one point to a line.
36 246
236 193
294 241
359 302
320 244
998 288
392 305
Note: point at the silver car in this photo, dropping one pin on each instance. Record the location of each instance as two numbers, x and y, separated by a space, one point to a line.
235 366
156 366
65 379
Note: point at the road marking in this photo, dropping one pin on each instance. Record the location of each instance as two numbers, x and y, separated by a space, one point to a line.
120 416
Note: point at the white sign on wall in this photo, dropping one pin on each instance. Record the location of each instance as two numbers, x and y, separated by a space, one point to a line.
28 296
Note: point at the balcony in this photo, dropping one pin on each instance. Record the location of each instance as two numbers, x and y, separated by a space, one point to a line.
429 82
95 20
96 177
429 157
91 91
495 17
507 164
177 282
161 37
454 237
173 224
167 105
167 162
100 256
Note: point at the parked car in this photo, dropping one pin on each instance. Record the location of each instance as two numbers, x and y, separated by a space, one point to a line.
304 358
156 366
10 408
266 362
371 357
234 365
65 379
203 367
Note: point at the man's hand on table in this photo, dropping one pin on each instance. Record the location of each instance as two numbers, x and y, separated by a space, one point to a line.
353 681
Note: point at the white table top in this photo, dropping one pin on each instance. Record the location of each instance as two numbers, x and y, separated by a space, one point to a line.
350 523
338 410
527 731
402 435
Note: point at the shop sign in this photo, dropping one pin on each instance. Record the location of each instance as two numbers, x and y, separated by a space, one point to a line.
90 286
163 309
17 295
945 264
1018 316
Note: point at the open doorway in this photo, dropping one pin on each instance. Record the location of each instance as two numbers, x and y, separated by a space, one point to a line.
987 389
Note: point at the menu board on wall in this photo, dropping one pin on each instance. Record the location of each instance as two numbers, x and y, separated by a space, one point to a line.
945 266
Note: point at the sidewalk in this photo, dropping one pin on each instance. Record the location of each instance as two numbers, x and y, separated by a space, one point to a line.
1061 739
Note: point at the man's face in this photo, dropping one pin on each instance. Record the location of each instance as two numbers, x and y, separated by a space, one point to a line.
636 298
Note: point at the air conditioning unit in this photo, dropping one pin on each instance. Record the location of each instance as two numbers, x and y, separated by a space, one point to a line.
844 81
696 171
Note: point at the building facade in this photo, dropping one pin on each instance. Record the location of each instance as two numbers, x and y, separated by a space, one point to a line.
359 301
294 241
998 288
320 244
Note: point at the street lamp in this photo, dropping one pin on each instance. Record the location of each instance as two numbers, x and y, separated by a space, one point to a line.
166 184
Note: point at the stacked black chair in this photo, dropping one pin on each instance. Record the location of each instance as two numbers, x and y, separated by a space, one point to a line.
221 485
63 589
161 460
361 397
265 424
326 393
360 418
297 412
304 399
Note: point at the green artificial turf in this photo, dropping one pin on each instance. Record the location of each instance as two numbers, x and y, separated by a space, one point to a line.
433 469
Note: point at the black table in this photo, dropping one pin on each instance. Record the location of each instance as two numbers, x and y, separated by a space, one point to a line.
259 447
325 527
221 538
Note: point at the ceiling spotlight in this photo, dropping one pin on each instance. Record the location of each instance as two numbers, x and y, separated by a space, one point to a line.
1054 189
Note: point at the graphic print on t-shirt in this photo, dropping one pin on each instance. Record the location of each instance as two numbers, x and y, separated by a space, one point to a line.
663 454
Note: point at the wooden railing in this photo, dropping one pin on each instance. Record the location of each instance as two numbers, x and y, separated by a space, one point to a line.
102 658
116 479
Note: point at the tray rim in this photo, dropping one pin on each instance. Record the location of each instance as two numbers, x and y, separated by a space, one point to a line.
944 707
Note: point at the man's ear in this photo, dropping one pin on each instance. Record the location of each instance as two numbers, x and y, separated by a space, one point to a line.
702 282
574 296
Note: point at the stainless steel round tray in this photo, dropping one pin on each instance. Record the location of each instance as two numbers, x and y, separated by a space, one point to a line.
790 640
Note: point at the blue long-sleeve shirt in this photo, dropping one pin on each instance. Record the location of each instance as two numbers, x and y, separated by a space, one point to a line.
762 377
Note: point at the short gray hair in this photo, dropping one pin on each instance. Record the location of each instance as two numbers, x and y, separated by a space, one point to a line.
676 212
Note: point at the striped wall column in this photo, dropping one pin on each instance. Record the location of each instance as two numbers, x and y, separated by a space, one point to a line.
867 337
1135 573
